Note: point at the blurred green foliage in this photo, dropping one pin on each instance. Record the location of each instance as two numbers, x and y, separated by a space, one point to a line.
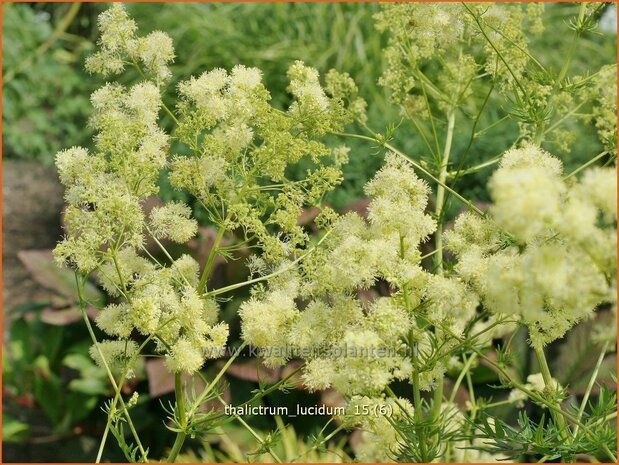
45 91
46 101
48 366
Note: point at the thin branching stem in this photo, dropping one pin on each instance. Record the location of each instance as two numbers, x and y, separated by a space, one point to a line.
550 385
417 403
80 287
416 165
211 258
594 375
121 383
288 267
182 418
586 164
465 369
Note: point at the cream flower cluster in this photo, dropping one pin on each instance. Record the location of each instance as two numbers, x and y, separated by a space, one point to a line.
380 442
546 253
509 30
104 189
446 35
357 346
240 148
164 303
605 109
119 45
417 32
105 227
244 146
105 222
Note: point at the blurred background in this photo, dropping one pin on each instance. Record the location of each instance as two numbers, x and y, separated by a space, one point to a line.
52 391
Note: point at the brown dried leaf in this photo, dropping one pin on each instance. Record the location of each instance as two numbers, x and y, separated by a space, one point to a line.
332 398
295 380
358 206
40 263
160 380
65 316
252 371
307 216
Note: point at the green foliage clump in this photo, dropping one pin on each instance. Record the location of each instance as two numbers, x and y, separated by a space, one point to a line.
44 100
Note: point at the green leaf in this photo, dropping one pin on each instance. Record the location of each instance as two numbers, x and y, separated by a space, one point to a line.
14 430
90 386
85 366
40 263
47 390
78 362
79 406
52 342
21 343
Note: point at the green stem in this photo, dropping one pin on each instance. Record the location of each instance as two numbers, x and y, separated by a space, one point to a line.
570 54
431 117
474 135
264 392
551 406
539 134
418 411
121 383
475 168
496 123
401 154
108 424
608 417
440 193
120 277
107 368
474 408
437 398
182 418
316 446
180 398
292 264
499 403
421 132
160 245
468 203
429 254
550 386
469 383
533 395
465 369
585 165
176 447
251 431
557 123
437 401
211 258
169 112
594 376
478 20
196 405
